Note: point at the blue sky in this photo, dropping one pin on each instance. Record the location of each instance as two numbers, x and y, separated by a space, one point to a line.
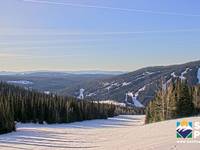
97 34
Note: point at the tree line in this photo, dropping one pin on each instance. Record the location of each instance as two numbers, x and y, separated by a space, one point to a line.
21 105
178 100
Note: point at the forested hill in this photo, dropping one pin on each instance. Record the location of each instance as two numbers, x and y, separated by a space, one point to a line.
18 104
143 83
140 85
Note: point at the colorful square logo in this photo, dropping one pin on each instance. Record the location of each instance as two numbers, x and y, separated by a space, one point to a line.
183 129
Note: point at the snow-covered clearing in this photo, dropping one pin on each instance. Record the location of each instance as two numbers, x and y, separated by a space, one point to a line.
111 102
20 82
118 133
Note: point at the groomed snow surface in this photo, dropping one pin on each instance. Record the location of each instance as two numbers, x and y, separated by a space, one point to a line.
118 133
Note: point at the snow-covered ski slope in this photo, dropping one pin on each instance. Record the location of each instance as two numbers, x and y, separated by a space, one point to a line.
119 133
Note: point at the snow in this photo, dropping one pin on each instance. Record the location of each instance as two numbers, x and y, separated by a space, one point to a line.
105 84
90 94
140 90
137 103
20 82
139 78
121 132
112 85
182 77
81 95
47 92
173 74
148 73
198 75
183 73
164 85
115 84
126 83
134 97
111 102
109 87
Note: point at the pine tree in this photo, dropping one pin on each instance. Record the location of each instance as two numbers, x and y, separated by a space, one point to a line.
185 106
18 104
176 101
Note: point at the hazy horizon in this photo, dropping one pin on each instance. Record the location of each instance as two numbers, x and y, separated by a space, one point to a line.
123 71
97 35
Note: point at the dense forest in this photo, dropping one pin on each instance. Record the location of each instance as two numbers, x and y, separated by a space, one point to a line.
178 100
21 105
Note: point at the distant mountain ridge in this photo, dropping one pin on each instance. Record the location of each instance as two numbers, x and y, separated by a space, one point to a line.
50 73
133 88
143 83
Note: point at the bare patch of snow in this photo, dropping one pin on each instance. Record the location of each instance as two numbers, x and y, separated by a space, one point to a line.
81 95
112 85
164 85
47 92
134 97
139 78
126 83
109 87
20 82
90 94
111 102
105 84
173 74
137 103
183 73
147 73
140 90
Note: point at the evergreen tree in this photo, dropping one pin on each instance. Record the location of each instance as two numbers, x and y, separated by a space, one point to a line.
176 101
185 106
18 104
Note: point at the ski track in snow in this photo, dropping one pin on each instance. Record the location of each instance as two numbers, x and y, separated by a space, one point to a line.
79 135
118 133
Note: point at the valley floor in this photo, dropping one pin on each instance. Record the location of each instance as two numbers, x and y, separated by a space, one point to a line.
118 133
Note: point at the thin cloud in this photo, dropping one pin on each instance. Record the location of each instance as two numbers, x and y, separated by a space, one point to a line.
66 33
31 47
45 41
114 8
28 56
